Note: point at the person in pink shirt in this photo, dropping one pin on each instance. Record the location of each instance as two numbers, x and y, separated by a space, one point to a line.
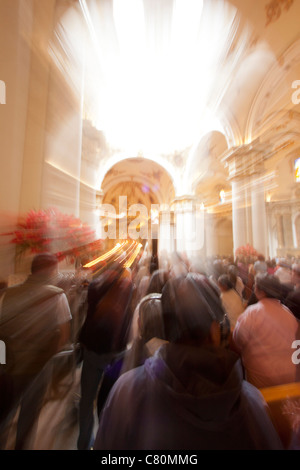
264 334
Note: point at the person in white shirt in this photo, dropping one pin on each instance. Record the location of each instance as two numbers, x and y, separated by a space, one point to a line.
284 272
264 334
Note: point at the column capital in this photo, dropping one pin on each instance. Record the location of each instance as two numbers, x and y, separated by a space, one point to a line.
245 161
185 202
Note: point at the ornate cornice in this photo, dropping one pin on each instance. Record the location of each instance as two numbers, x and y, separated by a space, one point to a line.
248 159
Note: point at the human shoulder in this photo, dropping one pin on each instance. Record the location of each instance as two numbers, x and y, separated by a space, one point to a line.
52 290
266 435
249 312
128 388
244 325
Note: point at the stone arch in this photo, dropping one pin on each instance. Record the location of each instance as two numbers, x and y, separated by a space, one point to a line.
142 171
146 178
265 105
136 188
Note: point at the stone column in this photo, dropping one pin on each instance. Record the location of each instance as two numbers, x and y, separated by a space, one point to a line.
259 218
166 236
189 225
241 220
246 168
279 227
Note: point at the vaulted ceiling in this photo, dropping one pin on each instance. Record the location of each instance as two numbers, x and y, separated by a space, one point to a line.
178 83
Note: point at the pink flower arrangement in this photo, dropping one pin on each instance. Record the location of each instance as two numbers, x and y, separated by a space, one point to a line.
246 250
51 230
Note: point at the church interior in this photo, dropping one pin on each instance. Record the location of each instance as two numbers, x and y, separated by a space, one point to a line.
169 125
182 109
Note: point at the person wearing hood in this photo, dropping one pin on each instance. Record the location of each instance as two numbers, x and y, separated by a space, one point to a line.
190 395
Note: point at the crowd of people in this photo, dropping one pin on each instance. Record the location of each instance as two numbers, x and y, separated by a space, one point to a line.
173 351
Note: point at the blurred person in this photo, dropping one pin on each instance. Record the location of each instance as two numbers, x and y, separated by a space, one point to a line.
296 276
231 300
35 325
235 279
284 272
75 288
150 336
157 281
155 284
292 302
190 394
271 265
264 334
140 283
217 270
104 335
228 261
153 263
197 265
292 299
260 265
243 268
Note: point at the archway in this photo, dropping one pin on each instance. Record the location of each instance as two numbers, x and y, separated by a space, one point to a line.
134 191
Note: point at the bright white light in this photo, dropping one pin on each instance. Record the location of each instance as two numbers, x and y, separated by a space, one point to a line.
157 71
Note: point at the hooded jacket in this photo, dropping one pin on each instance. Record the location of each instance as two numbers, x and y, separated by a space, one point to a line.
186 398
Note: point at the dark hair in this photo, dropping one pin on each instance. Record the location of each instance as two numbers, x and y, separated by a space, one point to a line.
190 306
157 281
3 285
217 268
43 262
150 317
269 284
293 303
225 281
